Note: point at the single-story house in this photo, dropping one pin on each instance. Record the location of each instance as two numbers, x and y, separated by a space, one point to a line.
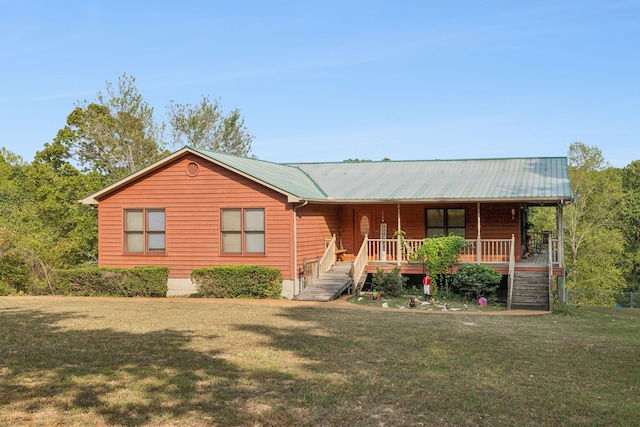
197 208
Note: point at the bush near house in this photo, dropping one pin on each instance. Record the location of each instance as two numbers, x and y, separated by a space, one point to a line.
146 281
238 281
476 280
390 283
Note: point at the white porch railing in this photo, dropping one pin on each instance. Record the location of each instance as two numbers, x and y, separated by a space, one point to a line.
554 257
512 268
359 264
329 256
489 251
313 269
553 253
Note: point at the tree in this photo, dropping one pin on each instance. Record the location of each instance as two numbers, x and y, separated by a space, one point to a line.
42 224
630 222
439 255
591 222
12 175
206 127
116 134
64 232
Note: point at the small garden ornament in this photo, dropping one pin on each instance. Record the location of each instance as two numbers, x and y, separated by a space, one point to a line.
413 302
426 282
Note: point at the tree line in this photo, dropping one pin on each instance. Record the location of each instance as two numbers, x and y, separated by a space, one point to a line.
601 224
43 227
42 224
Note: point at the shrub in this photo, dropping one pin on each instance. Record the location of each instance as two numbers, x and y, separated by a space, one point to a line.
476 280
389 283
100 281
562 308
238 281
146 281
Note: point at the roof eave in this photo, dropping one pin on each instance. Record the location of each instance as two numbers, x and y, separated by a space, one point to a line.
291 198
537 200
94 198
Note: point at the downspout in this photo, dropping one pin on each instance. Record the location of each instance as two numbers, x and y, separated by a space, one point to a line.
296 280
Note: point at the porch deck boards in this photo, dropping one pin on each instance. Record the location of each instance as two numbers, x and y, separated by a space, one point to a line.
538 259
534 260
329 285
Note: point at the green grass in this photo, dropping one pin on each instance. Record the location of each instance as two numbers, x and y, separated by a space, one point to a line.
138 362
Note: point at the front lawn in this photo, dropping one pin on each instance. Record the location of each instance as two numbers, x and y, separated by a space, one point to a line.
204 362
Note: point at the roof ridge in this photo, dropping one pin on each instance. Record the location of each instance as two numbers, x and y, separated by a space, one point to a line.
483 159
237 156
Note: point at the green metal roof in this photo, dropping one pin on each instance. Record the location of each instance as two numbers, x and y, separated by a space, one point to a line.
536 180
285 178
482 179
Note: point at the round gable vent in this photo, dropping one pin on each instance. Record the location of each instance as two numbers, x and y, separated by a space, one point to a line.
192 169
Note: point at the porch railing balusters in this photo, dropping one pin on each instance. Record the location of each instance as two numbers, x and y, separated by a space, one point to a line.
492 250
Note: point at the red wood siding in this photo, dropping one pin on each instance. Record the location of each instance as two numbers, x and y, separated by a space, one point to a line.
315 223
192 206
496 221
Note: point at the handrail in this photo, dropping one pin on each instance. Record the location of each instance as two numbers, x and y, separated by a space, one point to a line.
512 268
328 259
309 272
313 269
359 264
551 251
493 250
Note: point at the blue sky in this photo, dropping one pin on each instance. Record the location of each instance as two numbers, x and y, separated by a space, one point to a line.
331 80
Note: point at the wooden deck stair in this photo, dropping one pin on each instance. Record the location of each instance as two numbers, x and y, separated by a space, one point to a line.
329 285
530 291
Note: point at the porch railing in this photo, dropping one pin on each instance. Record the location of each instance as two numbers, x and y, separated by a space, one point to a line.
554 252
489 250
311 270
551 264
358 264
512 268
329 257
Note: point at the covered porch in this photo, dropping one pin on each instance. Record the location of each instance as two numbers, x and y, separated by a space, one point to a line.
496 233
544 263
499 253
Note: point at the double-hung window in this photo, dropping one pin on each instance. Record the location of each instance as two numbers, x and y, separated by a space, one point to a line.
144 231
446 222
243 231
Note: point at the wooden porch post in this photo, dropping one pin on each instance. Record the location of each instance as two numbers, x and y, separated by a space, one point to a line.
398 241
560 232
478 239
297 286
